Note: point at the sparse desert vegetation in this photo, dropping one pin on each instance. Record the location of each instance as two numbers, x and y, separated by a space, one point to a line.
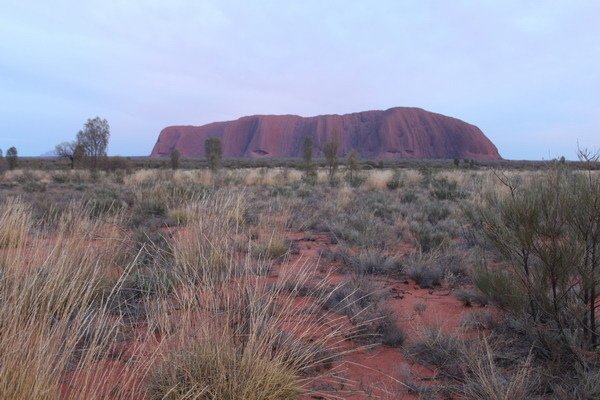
284 283
307 200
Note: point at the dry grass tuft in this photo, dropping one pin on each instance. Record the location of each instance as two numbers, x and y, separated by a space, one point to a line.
54 315
15 223
217 370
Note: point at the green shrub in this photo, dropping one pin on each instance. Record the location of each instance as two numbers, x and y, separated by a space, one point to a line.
34 186
436 212
470 297
105 201
426 276
356 180
478 320
395 181
444 189
500 287
148 207
427 236
444 263
374 262
409 196
441 350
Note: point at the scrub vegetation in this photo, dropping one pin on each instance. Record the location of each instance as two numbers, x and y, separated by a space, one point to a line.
123 282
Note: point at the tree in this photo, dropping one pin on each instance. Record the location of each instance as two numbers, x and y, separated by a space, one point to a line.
585 221
310 172
1 162
12 158
94 138
307 151
175 156
353 167
548 232
78 154
330 150
72 151
214 152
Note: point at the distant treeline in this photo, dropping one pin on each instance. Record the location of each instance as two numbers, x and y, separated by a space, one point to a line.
114 163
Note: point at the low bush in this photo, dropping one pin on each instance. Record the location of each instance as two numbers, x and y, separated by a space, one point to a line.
362 229
436 212
427 236
444 189
470 297
105 201
441 350
356 181
354 295
34 186
390 333
431 269
409 196
420 308
485 380
374 262
395 181
362 302
478 320
426 276
272 250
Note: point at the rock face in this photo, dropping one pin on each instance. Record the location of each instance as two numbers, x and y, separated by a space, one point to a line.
391 134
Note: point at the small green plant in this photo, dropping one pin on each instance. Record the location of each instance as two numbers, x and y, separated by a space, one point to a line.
395 181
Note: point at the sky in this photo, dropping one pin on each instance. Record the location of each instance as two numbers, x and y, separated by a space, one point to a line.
527 73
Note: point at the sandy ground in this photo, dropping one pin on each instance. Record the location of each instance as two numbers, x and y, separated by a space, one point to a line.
379 372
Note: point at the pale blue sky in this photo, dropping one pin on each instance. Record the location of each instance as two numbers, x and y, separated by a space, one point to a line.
526 72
